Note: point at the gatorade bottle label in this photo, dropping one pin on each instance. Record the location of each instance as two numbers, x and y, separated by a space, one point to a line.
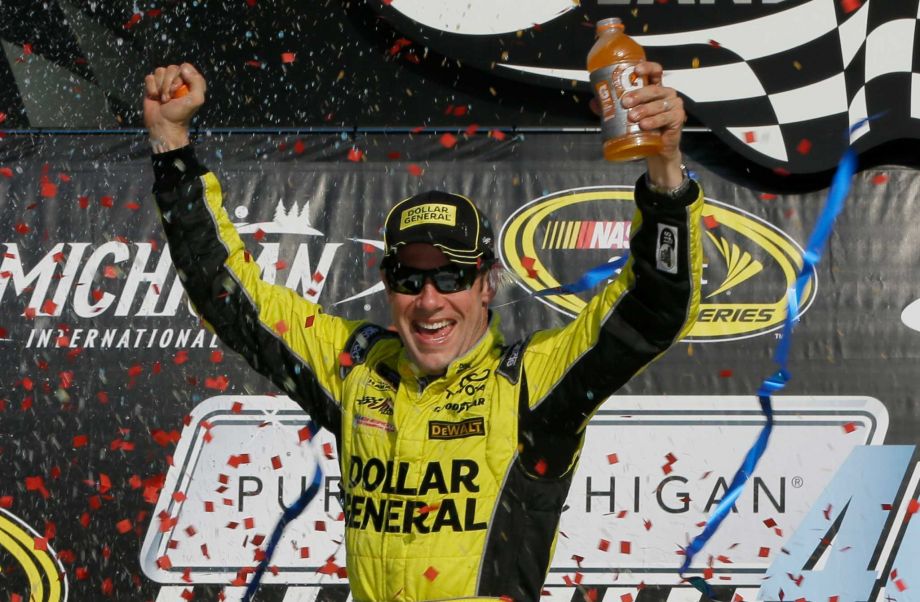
610 83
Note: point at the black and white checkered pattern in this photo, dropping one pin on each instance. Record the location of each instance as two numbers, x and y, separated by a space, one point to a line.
803 74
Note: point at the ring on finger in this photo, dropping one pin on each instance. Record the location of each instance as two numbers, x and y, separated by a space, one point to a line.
666 105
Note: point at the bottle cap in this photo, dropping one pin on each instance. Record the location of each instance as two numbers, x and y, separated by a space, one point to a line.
609 23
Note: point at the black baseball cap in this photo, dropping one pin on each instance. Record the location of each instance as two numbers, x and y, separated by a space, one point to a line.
450 222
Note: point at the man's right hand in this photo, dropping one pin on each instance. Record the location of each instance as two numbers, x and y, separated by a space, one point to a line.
166 115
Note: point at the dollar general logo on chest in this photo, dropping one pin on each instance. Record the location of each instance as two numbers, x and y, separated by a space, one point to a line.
432 213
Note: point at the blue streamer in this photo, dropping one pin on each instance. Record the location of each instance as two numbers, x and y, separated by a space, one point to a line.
289 515
588 280
837 194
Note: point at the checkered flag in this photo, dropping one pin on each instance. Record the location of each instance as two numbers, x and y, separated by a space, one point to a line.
783 89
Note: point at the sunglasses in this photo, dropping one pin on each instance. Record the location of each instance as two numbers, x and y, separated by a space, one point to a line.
450 278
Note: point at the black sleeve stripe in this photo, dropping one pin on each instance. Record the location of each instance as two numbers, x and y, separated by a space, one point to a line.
235 316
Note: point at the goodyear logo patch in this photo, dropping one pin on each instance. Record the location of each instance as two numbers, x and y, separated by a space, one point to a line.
473 427
749 263
432 213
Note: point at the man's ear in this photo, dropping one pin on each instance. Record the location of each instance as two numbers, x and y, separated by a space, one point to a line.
488 291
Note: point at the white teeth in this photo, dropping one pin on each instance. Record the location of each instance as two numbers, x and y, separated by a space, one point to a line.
433 325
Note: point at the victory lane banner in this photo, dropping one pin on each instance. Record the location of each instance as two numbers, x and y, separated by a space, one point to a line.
140 460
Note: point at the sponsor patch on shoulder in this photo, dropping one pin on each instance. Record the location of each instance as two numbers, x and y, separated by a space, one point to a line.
666 250
473 427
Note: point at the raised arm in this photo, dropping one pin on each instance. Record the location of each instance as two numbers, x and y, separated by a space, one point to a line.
651 305
282 335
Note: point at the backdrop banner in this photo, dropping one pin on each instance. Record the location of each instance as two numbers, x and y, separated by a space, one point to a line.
141 460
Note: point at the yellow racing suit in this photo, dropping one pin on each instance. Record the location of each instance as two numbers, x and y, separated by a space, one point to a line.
453 485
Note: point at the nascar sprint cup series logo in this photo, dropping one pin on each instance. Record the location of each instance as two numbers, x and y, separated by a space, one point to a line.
748 263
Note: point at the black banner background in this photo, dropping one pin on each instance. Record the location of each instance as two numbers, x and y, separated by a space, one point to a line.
851 341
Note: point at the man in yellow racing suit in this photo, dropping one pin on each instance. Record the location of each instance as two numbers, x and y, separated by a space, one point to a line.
456 449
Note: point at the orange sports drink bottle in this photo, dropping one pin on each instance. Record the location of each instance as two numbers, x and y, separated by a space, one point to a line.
612 64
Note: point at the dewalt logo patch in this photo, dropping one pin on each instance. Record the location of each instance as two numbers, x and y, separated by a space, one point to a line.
474 427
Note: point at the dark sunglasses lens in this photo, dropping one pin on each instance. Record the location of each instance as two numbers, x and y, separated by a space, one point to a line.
451 279
447 279
407 281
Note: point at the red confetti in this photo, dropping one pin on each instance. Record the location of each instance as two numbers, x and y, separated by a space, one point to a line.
84 202
37 484
527 263
448 140
714 44
625 547
276 462
355 154
22 228
764 552
134 20
770 523
767 196
725 373
880 179
6 172
540 467
288 57
913 507
345 359
309 321
497 134
626 598
710 222
217 356
647 524
304 434
604 545
612 459
414 169
48 189
431 573
849 6
164 563
849 427
900 585
281 327
123 526
750 137
80 440
804 146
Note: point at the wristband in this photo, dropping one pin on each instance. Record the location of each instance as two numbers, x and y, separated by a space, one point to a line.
673 193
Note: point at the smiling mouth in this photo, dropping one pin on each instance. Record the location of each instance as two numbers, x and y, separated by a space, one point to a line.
433 332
